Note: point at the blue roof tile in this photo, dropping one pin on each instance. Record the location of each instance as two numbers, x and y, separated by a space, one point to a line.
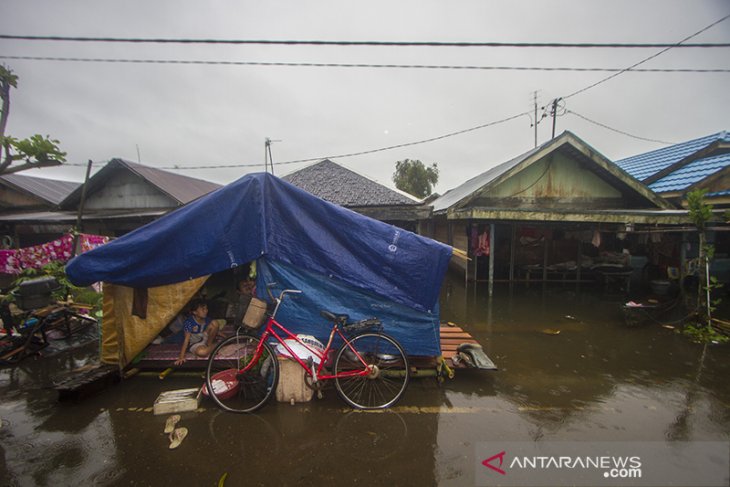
687 175
643 166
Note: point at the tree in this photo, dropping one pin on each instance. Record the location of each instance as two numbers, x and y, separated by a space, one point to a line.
700 212
413 177
35 151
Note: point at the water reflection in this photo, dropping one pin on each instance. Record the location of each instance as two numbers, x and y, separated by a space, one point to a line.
571 370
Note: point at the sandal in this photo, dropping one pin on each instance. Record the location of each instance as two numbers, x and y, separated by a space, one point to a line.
170 423
177 436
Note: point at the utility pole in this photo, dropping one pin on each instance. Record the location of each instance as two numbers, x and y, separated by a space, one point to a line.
534 100
555 113
267 154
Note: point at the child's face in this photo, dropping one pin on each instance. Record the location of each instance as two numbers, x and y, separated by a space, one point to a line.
201 311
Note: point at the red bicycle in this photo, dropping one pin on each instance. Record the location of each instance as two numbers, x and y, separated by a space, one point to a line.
370 368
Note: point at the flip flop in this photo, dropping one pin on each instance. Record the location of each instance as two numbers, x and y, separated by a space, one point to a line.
170 423
177 436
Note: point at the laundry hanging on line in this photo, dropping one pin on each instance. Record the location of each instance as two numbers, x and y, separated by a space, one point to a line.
14 261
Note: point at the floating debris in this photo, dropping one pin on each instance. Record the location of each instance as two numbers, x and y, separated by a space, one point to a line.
551 331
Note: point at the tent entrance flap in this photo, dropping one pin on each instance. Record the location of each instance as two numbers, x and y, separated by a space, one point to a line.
125 335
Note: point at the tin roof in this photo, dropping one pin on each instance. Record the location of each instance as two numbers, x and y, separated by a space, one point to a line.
644 166
690 174
566 141
341 186
52 191
182 189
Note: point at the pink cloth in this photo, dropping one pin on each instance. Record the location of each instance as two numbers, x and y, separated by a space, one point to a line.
14 261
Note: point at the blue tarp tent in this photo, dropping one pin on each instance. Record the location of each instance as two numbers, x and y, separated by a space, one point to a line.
343 261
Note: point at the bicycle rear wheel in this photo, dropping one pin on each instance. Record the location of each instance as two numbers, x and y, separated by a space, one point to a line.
241 392
387 376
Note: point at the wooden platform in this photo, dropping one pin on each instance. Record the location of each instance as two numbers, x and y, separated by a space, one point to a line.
451 338
160 357
86 381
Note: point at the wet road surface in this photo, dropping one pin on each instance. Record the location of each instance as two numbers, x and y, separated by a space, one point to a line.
595 380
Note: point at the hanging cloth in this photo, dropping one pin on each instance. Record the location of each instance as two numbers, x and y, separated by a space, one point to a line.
482 245
596 241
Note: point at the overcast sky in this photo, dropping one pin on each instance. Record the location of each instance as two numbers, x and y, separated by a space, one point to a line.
210 115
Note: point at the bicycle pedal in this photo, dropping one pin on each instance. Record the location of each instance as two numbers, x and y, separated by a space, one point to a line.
320 395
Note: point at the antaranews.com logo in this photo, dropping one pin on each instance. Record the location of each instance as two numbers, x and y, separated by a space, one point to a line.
658 463
612 467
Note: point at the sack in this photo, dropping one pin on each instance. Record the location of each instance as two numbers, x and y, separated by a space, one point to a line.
255 313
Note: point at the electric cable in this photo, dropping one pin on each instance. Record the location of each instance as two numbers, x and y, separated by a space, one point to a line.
581 45
648 58
571 112
361 65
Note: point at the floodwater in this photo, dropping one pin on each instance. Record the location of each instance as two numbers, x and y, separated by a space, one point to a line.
595 380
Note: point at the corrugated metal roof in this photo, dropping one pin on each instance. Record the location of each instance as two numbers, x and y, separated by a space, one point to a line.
51 190
183 189
457 194
643 166
71 216
692 173
344 187
566 141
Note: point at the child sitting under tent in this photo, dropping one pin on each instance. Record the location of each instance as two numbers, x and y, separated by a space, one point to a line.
200 331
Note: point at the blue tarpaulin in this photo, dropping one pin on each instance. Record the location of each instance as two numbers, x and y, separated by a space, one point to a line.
302 239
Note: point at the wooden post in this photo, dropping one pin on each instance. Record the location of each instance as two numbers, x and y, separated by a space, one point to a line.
512 253
80 213
580 257
491 258
544 258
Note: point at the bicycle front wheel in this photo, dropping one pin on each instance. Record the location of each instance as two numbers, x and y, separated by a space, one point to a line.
386 365
241 392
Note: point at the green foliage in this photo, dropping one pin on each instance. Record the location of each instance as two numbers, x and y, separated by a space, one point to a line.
82 295
35 151
700 212
413 177
38 149
8 77
701 333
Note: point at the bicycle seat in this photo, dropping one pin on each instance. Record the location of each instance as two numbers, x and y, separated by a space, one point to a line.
362 325
336 318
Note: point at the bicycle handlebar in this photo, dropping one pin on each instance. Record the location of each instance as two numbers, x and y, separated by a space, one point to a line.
281 296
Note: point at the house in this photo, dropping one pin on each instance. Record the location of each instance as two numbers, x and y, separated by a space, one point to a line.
24 199
120 197
676 170
558 211
344 187
124 195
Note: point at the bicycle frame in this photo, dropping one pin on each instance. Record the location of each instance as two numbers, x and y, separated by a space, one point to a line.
271 331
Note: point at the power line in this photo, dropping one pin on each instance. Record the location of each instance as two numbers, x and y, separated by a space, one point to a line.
647 59
617 130
353 154
360 65
581 45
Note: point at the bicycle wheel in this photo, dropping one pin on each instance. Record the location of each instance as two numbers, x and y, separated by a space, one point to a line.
388 371
246 392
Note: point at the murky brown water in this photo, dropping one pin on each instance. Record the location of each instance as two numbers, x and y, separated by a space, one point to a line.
594 381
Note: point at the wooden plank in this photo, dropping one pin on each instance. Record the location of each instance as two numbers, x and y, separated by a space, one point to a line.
456 342
456 335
